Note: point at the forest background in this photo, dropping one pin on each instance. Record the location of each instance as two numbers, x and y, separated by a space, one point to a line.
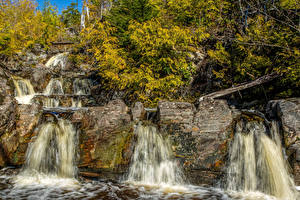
167 49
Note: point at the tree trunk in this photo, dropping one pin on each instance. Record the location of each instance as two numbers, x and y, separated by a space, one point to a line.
241 86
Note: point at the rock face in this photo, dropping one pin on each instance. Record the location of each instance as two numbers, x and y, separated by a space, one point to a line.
39 77
106 137
138 111
15 142
288 113
199 136
7 111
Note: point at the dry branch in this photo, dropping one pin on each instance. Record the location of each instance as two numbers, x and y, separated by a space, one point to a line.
241 86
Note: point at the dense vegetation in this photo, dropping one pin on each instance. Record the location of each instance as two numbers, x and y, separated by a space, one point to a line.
147 48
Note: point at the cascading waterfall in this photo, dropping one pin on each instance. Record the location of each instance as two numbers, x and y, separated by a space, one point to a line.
53 87
257 162
76 103
57 60
80 87
152 162
52 154
24 90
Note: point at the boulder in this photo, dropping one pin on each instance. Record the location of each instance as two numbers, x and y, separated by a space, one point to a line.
40 76
138 111
199 137
106 137
179 113
15 142
288 113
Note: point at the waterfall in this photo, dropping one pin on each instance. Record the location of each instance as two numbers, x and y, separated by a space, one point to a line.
257 162
152 162
54 87
58 60
52 154
76 103
80 87
24 90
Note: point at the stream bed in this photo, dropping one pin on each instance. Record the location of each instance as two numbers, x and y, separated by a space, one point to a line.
13 186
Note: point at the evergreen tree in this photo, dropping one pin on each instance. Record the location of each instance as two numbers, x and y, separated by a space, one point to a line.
125 11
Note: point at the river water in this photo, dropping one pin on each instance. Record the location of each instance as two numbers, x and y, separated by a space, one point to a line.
47 187
50 173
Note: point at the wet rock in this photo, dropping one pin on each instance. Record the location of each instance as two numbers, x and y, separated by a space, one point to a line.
213 118
40 76
33 59
180 113
102 96
288 113
7 115
15 142
138 111
106 136
211 128
199 137
28 118
7 105
6 91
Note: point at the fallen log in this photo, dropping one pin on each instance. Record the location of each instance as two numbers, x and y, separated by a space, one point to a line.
62 43
242 86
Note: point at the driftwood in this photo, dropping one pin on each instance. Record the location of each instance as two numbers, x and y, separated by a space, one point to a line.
241 86
62 43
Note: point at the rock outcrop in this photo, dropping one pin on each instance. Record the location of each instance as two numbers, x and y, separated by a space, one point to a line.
15 142
106 137
288 113
7 111
199 136
138 111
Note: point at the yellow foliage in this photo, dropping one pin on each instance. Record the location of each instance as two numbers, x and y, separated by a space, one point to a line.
153 67
21 26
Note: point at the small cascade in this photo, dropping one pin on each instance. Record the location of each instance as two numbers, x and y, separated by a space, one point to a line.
76 103
80 87
152 162
52 154
257 162
54 87
24 90
58 60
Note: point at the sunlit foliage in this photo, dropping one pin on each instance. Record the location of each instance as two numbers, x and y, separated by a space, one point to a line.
143 47
21 26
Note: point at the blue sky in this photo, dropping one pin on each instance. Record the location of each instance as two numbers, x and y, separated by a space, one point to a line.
60 4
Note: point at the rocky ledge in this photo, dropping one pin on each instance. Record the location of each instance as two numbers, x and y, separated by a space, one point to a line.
200 136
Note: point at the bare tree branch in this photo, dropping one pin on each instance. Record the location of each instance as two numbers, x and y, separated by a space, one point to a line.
241 86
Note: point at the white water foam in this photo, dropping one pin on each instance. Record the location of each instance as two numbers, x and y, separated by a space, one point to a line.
257 163
152 162
24 90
